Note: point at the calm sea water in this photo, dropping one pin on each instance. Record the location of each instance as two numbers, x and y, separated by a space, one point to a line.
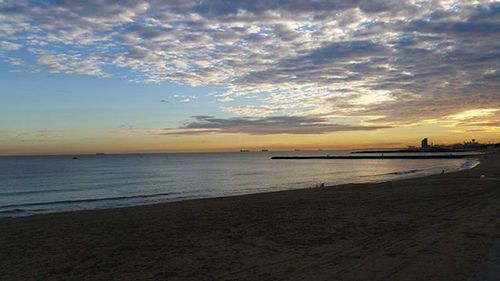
44 184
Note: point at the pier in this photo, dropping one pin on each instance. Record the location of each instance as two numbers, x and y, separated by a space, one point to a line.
449 156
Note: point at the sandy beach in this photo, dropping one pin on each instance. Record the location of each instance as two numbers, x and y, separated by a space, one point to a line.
439 227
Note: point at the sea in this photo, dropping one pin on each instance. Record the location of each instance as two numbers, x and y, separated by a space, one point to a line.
47 184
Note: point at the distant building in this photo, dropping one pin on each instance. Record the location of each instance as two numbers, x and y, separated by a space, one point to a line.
425 143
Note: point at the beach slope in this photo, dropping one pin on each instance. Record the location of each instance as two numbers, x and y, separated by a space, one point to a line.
434 228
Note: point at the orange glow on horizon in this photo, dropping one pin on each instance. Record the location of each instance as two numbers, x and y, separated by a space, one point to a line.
137 143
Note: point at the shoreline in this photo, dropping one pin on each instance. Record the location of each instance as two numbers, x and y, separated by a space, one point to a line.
436 227
19 212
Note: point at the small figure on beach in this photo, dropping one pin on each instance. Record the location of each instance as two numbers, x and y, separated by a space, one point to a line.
442 171
322 185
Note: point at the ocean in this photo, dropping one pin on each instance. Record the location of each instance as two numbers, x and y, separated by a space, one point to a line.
46 184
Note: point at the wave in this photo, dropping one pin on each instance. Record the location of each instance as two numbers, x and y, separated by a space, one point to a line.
27 192
100 187
395 173
405 172
87 200
14 213
469 164
247 174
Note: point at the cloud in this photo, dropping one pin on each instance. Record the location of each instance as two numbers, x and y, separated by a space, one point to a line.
185 98
62 63
480 119
264 126
473 114
252 110
36 136
13 61
6 45
404 61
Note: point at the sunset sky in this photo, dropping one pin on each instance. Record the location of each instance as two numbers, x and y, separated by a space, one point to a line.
159 76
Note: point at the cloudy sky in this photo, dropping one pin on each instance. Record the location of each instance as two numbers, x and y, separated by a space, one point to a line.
180 75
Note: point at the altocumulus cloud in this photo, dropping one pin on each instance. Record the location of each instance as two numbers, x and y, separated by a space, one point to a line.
402 61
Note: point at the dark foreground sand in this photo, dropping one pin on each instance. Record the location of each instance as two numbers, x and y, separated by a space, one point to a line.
435 228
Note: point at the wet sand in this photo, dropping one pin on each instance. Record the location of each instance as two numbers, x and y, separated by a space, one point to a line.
434 228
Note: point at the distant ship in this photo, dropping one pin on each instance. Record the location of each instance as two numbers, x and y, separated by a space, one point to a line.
244 150
74 158
265 150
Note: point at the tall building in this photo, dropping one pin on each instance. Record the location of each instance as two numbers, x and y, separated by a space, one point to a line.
425 143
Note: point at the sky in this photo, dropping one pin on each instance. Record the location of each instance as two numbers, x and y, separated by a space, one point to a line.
87 76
